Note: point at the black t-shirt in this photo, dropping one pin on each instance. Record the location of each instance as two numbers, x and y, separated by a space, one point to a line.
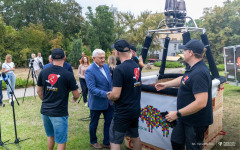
196 80
57 82
128 76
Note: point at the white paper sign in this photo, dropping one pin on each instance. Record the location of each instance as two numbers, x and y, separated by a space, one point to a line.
152 126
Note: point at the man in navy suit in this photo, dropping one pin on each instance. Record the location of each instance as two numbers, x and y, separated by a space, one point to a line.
99 83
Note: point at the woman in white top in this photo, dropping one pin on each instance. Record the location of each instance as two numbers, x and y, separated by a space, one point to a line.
8 68
84 63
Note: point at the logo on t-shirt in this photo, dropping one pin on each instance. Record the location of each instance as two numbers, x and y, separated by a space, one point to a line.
52 79
136 76
136 73
184 80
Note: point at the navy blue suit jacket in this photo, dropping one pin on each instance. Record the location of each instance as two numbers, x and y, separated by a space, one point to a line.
98 86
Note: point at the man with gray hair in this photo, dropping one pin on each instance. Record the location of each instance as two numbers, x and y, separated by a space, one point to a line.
99 83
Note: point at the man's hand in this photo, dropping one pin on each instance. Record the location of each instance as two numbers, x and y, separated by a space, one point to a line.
160 86
73 100
108 95
171 116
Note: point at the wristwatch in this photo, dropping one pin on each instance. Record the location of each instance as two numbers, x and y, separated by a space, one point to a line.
179 114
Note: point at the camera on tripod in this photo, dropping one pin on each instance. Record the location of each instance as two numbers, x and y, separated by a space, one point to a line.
175 13
30 60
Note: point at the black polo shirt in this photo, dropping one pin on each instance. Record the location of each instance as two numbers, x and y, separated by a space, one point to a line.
196 80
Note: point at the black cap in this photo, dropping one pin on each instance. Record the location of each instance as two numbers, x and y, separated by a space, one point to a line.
122 46
132 47
195 45
57 53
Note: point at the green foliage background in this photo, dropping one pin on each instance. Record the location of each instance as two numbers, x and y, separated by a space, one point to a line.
28 26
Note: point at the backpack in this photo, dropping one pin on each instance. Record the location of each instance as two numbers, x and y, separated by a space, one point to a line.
40 64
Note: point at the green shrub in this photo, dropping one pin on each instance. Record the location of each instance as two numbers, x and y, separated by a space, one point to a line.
20 83
220 67
169 64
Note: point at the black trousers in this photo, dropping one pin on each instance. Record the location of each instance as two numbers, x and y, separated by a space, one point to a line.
84 89
186 135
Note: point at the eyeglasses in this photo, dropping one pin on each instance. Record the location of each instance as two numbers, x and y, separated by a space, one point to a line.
101 58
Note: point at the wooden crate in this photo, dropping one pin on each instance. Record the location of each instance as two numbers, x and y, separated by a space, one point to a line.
218 100
145 146
216 127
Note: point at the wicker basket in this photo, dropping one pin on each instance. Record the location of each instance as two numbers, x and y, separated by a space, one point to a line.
214 133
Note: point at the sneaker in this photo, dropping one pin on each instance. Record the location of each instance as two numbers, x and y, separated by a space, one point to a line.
10 100
86 104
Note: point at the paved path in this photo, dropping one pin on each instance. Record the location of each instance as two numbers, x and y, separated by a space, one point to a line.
30 90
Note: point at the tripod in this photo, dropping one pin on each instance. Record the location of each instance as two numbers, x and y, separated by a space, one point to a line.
14 119
31 71
1 142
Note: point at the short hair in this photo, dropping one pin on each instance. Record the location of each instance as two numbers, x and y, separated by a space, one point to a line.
96 52
199 56
82 60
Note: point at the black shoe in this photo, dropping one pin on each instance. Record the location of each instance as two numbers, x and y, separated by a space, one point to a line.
3 105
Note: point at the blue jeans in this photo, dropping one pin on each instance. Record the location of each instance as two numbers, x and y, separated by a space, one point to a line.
57 127
95 114
12 81
1 96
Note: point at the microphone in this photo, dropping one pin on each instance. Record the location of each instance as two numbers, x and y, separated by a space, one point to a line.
5 78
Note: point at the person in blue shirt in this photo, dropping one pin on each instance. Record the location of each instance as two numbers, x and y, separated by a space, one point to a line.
66 65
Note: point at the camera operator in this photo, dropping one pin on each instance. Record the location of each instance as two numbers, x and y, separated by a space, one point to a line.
33 63
40 61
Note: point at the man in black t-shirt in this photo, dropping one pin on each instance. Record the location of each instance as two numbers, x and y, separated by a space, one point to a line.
54 84
194 100
126 94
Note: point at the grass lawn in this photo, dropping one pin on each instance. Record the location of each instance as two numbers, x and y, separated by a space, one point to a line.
29 123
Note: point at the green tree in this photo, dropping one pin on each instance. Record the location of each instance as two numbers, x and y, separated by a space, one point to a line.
2 36
100 27
57 42
221 24
59 16
76 52
136 28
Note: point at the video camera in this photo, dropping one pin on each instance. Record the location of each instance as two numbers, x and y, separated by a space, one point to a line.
30 60
175 13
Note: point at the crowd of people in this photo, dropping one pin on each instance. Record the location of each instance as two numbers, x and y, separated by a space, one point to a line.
114 90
